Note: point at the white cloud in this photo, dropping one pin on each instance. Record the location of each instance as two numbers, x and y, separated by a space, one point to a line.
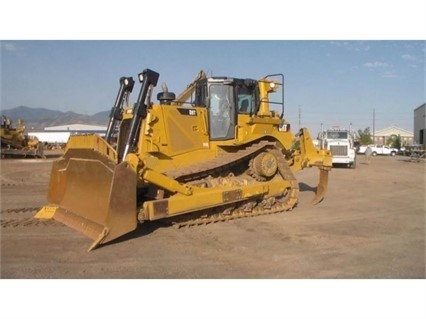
408 57
8 46
376 64
357 46
389 74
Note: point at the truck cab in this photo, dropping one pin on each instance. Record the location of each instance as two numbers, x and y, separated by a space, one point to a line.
340 143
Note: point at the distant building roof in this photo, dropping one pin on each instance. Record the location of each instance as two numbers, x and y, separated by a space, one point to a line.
393 130
51 137
76 128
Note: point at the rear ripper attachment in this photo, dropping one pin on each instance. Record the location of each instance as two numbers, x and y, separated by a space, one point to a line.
216 152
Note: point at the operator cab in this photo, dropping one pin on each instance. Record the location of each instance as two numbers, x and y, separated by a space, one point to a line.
225 98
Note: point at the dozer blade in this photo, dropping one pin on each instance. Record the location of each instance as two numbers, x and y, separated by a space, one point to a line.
93 195
322 187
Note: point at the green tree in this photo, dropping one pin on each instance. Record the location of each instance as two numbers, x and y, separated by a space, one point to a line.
395 141
365 136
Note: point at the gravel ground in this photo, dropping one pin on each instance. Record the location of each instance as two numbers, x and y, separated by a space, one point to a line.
371 225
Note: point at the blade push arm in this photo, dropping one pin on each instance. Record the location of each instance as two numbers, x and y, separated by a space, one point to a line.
149 79
126 87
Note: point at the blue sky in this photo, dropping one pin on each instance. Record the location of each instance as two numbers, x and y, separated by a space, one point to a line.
330 82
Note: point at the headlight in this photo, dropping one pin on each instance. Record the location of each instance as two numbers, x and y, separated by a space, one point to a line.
140 75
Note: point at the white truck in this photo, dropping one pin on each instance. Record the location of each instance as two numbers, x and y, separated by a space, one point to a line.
379 150
341 144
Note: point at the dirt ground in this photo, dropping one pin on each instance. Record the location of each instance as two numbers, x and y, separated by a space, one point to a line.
370 225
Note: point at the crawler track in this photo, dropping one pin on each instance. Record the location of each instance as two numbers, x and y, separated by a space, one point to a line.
247 208
227 213
221 164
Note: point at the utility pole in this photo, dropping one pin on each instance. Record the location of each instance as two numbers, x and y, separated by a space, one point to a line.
374 126
300 117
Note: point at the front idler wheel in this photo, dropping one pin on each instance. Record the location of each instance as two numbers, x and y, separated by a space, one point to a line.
264 166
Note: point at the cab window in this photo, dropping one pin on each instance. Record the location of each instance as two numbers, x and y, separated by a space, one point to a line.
221 112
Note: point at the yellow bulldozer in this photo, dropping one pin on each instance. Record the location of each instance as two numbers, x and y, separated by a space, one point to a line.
217 151
16 143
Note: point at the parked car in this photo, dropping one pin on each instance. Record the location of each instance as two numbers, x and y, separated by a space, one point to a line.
402 151
378 150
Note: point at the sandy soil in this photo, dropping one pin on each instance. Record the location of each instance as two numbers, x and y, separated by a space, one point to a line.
370 225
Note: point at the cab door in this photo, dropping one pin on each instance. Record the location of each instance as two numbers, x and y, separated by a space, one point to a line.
221 112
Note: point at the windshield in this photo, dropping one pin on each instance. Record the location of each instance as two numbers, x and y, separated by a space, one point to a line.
337 135
245 100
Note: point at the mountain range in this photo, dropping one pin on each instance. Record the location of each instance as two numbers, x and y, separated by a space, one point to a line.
36 119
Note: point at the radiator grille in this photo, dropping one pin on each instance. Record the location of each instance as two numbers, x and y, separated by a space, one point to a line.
339 150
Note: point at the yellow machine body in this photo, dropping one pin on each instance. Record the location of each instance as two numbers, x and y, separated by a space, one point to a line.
178 163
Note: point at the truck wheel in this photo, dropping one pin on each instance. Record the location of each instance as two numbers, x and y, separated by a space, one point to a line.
374 153
393 153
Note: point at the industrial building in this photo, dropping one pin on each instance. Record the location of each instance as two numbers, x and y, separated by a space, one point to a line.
420 125
381 137
60 134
